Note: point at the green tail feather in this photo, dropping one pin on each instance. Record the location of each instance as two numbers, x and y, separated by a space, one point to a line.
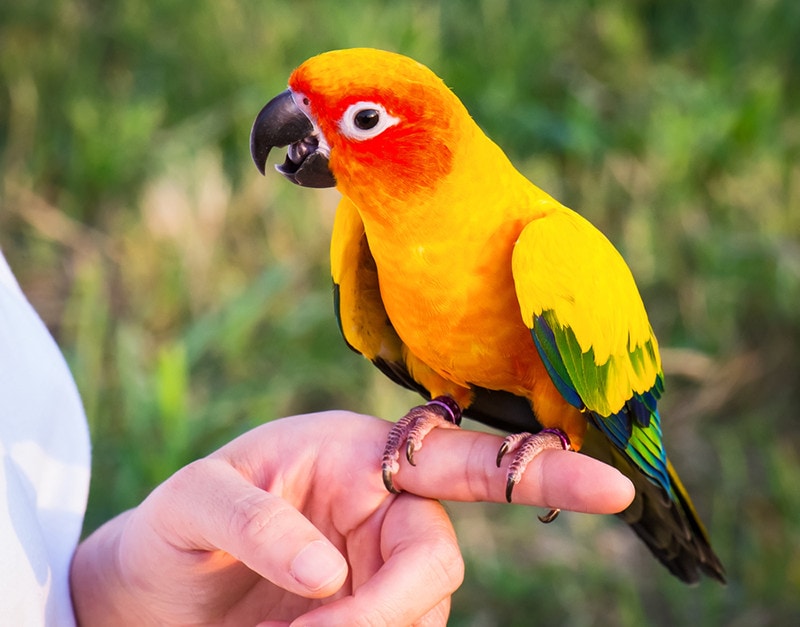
668 524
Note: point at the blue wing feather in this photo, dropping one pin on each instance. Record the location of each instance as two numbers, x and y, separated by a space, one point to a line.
634 430
545 341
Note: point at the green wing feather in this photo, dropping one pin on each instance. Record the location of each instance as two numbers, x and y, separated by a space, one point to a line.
591 330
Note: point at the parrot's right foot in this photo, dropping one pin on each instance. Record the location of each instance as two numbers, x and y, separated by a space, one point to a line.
412 428
526 446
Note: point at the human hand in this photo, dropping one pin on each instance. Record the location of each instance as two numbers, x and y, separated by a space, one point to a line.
292 520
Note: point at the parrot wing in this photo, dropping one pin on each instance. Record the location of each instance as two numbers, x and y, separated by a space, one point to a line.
360 312
368 330
591 330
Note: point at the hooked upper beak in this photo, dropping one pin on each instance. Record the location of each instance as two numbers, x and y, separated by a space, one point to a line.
282 123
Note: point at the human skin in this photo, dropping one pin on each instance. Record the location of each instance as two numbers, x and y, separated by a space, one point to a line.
291 523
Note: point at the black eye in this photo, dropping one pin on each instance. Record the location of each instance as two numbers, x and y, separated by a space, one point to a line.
366 119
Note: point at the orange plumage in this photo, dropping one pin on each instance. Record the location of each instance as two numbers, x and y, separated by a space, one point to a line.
461 279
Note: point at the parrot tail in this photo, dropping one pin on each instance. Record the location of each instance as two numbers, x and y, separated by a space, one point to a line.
668 524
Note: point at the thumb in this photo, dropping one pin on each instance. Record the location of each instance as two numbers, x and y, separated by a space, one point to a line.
213 507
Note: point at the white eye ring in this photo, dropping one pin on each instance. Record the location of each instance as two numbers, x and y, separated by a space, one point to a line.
358 117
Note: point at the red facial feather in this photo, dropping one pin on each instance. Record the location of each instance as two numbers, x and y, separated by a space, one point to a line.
408 157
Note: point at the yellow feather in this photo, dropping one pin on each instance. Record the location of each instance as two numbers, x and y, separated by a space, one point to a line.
443 254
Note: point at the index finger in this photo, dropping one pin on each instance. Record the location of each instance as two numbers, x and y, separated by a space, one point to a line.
460 465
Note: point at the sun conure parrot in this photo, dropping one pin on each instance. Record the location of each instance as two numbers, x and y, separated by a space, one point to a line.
459 278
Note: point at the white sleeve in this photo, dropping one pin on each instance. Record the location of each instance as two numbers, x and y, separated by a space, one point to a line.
44 466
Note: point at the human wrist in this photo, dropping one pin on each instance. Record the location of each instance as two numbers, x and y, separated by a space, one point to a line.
99 593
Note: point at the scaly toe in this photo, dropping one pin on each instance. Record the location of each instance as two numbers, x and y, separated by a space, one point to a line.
525 447
411 430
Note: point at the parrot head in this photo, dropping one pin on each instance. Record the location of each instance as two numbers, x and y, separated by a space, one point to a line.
359 117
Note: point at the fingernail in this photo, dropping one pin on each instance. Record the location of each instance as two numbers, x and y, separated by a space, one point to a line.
317 565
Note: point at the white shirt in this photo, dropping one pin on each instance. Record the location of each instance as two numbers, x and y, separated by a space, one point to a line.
44 466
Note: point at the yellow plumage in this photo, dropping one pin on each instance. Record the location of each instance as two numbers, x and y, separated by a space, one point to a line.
460 278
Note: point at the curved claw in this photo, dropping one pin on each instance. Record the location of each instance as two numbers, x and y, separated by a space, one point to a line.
510 483
500 455
410 452
550 516
387 481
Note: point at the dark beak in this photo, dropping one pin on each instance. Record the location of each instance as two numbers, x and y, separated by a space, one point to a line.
281 123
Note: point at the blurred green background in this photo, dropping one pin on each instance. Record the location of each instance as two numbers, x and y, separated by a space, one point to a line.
192 297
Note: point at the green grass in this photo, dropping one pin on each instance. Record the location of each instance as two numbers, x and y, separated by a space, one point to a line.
192 296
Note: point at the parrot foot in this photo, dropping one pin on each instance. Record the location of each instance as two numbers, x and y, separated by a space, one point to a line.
526 446
411 430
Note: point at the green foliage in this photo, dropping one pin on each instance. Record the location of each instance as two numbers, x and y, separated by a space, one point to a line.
192 297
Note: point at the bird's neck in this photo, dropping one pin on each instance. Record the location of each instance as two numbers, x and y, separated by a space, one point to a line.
482 193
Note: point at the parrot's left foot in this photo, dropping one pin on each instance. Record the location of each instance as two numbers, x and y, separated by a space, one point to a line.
526 446
412 428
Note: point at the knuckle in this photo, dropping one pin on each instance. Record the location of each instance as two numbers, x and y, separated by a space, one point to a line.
254 516
447 566
183 482
436 617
